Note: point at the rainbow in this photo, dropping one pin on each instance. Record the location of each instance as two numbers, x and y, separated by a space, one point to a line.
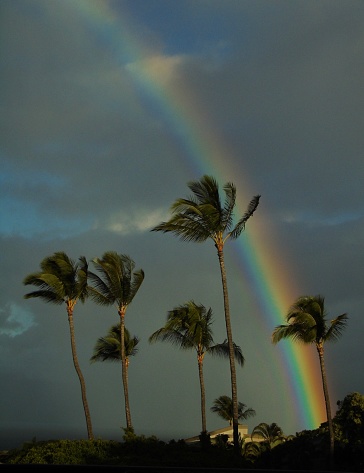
203 148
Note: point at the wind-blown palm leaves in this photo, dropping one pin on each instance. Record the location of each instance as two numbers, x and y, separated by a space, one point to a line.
108 348
118 284
306 323
270 434
62 281
188 326
223 406
198 218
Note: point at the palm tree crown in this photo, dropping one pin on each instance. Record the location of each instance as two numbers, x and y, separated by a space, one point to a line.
271 434
306 322
119 282
203 216
61 280
223 406
108 348
189 327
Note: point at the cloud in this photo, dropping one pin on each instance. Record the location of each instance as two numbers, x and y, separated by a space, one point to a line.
316 219
137 221
15 320
159 68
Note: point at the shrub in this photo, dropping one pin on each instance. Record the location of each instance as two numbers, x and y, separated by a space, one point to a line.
66 452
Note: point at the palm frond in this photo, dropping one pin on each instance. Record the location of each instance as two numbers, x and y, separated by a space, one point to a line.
295 331
245 413
136 282
51 287
240 226
206 191
46 296
81 282
336 328
188 223
222 350
229 205
175 337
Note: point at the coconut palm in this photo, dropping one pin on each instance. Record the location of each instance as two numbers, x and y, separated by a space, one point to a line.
201 217
270 434
108 348
64 281
189 327
118 284
223 406
307 323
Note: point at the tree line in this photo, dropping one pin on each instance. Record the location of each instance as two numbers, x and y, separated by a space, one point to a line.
199 217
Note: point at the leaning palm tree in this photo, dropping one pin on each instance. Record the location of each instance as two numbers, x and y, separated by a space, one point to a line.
108 348
63 281
223 407
118 285
198 218
189 327
306 323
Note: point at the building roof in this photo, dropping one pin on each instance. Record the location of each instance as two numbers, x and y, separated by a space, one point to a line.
228 430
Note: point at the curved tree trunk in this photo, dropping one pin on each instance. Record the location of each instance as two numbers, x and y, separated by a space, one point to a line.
129 425
202 390
78 371
234 393
320 351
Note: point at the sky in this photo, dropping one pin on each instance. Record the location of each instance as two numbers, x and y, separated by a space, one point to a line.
108 110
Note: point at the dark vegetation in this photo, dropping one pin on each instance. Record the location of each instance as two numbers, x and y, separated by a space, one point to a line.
307 450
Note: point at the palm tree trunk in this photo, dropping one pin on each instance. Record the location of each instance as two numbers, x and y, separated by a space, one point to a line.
79 372
234 393
202 390
129 425
320 351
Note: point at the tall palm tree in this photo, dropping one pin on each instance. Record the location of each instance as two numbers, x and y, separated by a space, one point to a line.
189 327
108 348
223 406
63 281
306 323
118 285
198 218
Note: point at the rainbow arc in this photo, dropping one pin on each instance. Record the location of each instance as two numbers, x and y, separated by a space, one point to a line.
206 153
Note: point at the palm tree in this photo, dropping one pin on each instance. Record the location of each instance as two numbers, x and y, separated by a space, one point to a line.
223 406
61 280
108 348
198 218
306 323
189 327
118 285
270 434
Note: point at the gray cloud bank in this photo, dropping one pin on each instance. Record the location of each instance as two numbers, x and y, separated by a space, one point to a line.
89 164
